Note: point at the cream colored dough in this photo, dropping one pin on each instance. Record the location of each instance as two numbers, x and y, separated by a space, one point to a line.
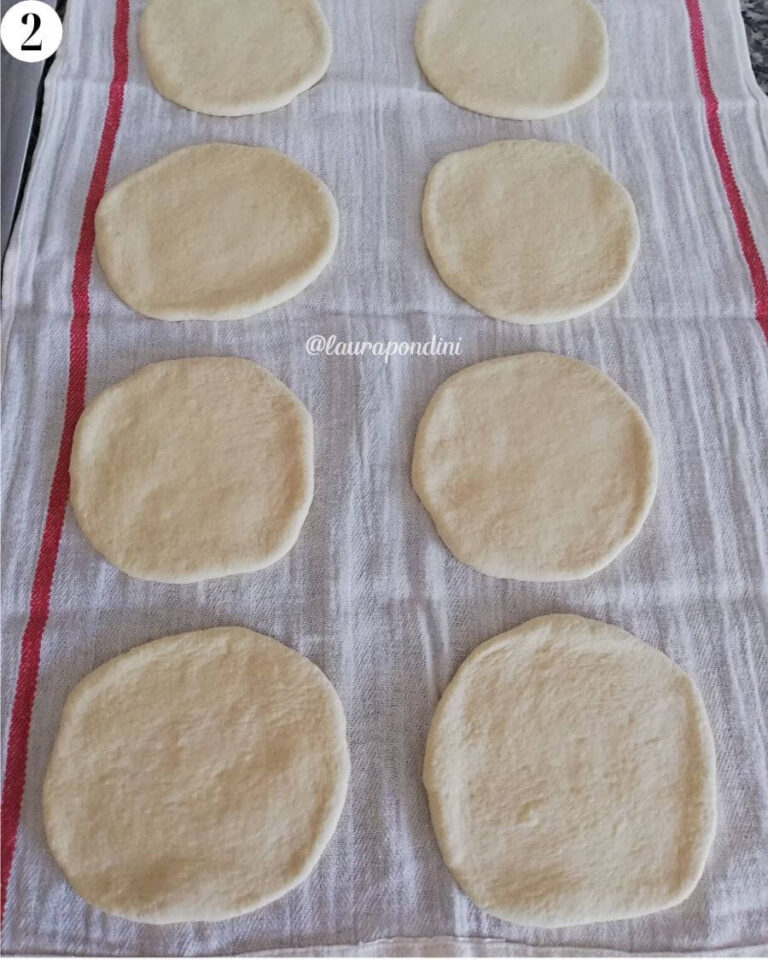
192 469
234 57
535 467
529 231
216 232
520 59
196 777
570 770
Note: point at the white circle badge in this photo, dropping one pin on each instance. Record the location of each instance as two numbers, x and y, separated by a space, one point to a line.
31 31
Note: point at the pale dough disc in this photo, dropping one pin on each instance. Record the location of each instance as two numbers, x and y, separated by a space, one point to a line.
192 469
529 231
234 57
196 777
520 59
570 770
535 467
217 232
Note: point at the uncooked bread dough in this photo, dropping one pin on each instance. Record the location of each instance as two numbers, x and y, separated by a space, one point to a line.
570 770
234 57
529 231
216 232
520 59
196 777
536 467
192 469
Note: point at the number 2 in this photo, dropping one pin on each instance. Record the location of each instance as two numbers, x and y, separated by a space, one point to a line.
35 27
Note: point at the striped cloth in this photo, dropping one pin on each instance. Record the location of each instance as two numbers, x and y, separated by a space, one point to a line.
369 593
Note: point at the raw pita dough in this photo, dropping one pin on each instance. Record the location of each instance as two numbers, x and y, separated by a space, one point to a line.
520 59
234 57
219 232
536 467
570 770
196 777
529 231
192 469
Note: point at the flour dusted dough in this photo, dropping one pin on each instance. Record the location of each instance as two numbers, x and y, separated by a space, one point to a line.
570 770
218 232
193 469
234 57
196 777
520 59
529 231
536 467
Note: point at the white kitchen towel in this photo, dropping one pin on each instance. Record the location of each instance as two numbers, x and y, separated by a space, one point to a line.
369 592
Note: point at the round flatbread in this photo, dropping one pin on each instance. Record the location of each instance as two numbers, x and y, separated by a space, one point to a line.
196 777
535 467
570 770
234 57
520 59
529 231
192 469
215 232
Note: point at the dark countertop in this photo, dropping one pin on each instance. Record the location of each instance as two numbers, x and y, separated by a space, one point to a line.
755 13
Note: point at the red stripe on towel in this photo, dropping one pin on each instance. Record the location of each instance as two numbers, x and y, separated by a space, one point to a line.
749 249
39 603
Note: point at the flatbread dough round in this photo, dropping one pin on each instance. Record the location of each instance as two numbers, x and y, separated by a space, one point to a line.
192 469
570 770
519 59
529 231
234 57
215 232
196 777
536 467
